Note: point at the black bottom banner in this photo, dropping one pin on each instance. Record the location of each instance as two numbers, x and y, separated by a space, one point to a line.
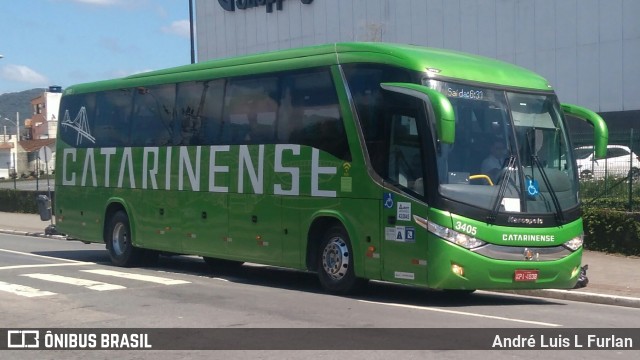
319 339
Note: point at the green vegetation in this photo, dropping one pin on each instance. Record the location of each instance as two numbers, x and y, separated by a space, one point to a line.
611 215
611 193
20 201
611 231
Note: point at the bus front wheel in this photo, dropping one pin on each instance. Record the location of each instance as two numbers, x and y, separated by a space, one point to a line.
118 241
335 263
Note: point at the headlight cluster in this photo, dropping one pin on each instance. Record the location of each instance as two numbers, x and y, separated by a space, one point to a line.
575 243
466 241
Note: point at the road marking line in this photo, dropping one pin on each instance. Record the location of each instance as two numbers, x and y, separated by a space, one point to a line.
89 284
40 256
149 278
44 265
560 291
22 290
462 313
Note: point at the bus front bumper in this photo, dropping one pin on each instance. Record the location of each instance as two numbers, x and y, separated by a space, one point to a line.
457 268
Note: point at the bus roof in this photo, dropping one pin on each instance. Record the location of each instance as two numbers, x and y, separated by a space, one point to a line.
447 64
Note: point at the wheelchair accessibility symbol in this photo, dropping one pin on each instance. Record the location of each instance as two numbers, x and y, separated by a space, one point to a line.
388 200
532 187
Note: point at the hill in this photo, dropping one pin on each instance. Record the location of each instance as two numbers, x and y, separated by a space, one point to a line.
20 102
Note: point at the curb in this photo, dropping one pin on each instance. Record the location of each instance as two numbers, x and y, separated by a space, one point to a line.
581 296
571 295
33 234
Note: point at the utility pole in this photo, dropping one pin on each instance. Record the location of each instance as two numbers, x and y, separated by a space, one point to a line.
15 148
15 172
193 51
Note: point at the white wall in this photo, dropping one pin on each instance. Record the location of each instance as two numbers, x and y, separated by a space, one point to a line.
53 106
5 162
587 49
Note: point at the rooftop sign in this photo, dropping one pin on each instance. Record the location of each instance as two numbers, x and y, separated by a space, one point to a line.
231 5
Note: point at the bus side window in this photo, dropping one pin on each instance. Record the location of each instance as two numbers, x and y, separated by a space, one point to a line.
143 120
188 122
165 100
238 128
372 105
113 115
311 115
262 128
151 117
250 108
77 127
211 103
405 155
322 132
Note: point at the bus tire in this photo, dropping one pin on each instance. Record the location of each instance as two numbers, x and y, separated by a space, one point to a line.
118 240
335 263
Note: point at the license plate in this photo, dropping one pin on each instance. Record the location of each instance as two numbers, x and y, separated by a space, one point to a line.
526 275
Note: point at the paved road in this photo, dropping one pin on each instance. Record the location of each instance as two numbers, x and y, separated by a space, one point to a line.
48 283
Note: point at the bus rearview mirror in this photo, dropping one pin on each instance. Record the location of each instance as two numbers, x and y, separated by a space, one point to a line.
445 117
600 130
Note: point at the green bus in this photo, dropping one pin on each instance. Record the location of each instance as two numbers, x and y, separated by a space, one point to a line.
353 160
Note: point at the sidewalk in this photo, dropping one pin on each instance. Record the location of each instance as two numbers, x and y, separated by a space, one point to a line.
613 279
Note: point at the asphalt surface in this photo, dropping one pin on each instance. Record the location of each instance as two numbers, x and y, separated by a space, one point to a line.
613 279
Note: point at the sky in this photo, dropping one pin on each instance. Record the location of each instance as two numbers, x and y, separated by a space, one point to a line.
66 42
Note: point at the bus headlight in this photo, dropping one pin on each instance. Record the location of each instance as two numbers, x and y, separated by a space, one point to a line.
464 240
575 243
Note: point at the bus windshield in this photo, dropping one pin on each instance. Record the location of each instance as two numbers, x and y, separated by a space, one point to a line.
511 152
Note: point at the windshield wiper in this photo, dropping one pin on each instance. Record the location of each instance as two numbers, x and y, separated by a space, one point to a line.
506 177
545 178
552 192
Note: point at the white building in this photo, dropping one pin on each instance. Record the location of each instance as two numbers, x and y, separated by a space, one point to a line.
44 120
20 156
587 49
7 157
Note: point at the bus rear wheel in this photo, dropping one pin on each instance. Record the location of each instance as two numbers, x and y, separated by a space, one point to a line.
335 263
118 240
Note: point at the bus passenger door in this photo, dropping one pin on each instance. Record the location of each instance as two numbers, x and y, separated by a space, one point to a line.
404 247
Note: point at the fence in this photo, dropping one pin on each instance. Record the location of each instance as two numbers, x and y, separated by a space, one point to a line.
612 182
